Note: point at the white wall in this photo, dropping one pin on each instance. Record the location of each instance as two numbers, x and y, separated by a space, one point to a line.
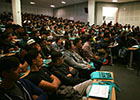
6 7
129 13
75 12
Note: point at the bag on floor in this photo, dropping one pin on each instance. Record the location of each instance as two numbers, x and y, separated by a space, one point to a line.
68 93
122 53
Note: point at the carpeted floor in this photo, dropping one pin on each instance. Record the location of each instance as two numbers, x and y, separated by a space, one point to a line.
127 80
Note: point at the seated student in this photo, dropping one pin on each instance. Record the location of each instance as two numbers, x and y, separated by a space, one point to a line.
33 44
103 45
88 55
44 79
74 59
20 55
57 44
6 44
68 75
25 37
41 78
13 89
131 41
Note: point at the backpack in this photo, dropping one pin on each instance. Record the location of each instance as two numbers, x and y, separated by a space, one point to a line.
68 93
122 53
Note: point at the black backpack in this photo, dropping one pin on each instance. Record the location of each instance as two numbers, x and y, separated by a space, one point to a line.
68 93
122 53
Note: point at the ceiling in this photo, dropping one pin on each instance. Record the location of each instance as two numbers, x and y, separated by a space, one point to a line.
57 3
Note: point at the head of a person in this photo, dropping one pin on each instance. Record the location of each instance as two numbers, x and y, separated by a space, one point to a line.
5 38
57 58
68 45
34 44
113 35
130 35
58 40
78 43
9 28
24 50
37 34
33 57
25 35
89 38
10 68
106 37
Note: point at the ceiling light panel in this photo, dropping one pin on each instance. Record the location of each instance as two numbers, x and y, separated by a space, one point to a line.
114 0
52 6
32 3
63 2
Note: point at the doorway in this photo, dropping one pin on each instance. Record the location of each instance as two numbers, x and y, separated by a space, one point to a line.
110 14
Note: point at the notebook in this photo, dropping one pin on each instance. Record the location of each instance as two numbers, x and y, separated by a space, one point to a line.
99 91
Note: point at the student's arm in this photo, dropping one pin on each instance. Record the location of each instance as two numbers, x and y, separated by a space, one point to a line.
35 91
70 61
50 87
67 80
55 78
24 66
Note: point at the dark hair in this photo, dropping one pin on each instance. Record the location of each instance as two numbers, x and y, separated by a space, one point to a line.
8 62
88 37
32 54
76 41
57 39
55 55
26 47
68 44
106 35
4 35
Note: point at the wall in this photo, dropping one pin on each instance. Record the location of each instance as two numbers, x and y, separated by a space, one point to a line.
7 7
99 11
75 12
129 13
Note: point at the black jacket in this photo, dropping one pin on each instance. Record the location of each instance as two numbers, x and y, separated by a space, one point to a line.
28 89
62 71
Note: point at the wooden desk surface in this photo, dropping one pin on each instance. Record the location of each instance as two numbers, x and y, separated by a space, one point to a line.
113 94
132 48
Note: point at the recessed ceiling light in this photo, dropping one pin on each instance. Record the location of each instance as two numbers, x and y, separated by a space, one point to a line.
52 6
63 2
32 3
114 0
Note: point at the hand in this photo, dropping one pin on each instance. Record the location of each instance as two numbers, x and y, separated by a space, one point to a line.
70 69
16 48
69 75
11 49
89 66
97 57
88 60
111 43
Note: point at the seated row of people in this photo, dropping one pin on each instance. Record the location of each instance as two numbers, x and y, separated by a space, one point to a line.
40 76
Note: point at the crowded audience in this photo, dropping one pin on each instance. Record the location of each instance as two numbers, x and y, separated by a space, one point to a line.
73 49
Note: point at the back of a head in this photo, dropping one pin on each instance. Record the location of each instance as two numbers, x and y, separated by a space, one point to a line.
106 35
8 62
68 44
88 37
4 35
57 39
76 41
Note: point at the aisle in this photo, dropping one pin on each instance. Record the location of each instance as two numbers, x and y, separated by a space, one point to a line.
127 80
